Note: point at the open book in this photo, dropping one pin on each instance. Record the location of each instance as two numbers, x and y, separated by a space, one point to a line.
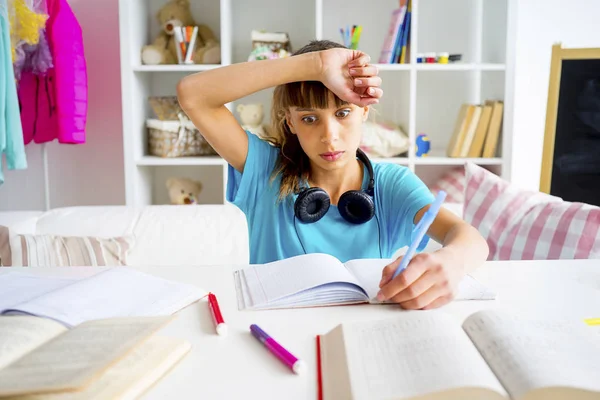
102 359
320 279
75 298
429 355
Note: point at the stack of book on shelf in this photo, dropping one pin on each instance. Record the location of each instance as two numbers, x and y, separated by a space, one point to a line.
396 47
477 130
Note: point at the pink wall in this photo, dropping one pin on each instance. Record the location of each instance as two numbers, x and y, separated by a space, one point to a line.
92 173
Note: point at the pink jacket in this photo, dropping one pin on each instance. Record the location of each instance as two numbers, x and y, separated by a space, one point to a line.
54 106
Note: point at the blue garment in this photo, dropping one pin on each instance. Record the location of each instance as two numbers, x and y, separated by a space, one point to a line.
275 233
11 130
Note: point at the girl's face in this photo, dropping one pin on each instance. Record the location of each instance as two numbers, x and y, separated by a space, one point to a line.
329 136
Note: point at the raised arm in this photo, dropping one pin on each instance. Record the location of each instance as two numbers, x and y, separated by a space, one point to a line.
203 95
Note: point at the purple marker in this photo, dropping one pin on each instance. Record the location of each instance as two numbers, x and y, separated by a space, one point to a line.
278 350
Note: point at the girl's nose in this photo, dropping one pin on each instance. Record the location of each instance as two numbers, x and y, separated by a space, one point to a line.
331 132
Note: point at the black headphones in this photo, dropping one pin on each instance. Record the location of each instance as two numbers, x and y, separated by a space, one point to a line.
355 206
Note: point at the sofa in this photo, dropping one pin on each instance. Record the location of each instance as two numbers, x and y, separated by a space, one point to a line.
159 234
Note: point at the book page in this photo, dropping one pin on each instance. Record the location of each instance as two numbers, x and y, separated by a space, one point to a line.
130 377
416 353
265 284
116 292
368 273
19 335
530 354
73 359
20 286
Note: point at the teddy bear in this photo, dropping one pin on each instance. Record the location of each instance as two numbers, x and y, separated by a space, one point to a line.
162 51
183 190
251 116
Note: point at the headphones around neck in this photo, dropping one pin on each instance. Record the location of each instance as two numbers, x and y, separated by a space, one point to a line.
355 206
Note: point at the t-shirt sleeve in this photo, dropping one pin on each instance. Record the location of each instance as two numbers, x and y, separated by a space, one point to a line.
244 188
401 195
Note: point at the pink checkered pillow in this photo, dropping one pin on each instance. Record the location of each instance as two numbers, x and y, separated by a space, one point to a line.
528 225
453 183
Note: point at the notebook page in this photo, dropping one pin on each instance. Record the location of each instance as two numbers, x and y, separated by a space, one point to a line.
368 273
527 354
116 292
73 359
21 286
414 354
269 282
19 335
131 376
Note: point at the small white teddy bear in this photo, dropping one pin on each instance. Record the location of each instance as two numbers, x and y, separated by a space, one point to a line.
251 116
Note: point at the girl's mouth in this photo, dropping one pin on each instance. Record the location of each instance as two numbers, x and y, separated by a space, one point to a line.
331 155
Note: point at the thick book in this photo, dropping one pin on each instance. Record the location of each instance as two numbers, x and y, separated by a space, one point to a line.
318 279
492 355
74 298
102 359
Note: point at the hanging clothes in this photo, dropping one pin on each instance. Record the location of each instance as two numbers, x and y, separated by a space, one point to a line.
11 132
54 105
31 49
25 25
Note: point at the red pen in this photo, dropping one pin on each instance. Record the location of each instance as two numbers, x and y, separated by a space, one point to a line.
216 314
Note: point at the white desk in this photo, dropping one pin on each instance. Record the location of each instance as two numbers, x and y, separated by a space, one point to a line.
238 366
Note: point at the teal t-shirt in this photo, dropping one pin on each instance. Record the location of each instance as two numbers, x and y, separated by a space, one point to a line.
276 234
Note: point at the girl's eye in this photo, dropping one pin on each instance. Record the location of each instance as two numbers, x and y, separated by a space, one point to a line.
342 113
310 119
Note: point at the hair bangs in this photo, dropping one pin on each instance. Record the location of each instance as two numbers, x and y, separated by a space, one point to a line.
309 94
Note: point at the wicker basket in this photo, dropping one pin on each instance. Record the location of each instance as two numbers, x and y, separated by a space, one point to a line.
176 139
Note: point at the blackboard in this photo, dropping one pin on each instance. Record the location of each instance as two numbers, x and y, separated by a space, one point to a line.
571 165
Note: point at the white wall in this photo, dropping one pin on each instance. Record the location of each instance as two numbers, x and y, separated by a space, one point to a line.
540 24
91 173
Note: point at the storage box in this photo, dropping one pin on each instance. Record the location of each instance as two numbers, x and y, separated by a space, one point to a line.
176 139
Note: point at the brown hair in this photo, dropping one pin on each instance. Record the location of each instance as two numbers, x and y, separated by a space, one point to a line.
293 163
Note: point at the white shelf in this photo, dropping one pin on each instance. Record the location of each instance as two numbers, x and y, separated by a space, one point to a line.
175 68
441 67
393 160
381 67
418 97
394 67
456 161
460 67
156 161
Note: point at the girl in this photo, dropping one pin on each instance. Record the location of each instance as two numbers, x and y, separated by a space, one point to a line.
310 189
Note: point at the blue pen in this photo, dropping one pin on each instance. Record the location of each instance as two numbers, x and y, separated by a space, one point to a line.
420 231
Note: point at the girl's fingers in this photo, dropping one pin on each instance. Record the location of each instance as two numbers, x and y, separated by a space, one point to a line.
440 301
374 92
425 299
364 59
365 101
367 82
367 70
416 289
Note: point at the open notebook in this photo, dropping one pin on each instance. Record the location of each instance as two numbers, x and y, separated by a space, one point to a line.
429 355
320 279
112 292
101 359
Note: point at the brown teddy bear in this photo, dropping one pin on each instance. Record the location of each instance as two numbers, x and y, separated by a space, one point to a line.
183 190
177 13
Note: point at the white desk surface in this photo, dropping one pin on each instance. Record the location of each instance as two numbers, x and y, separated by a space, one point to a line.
238 366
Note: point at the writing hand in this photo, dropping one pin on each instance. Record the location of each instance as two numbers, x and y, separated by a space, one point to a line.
429 281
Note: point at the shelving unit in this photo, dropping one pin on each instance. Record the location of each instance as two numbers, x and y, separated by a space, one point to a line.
418 97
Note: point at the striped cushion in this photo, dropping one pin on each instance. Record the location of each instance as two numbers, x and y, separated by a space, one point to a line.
52 250
528 225
453 183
